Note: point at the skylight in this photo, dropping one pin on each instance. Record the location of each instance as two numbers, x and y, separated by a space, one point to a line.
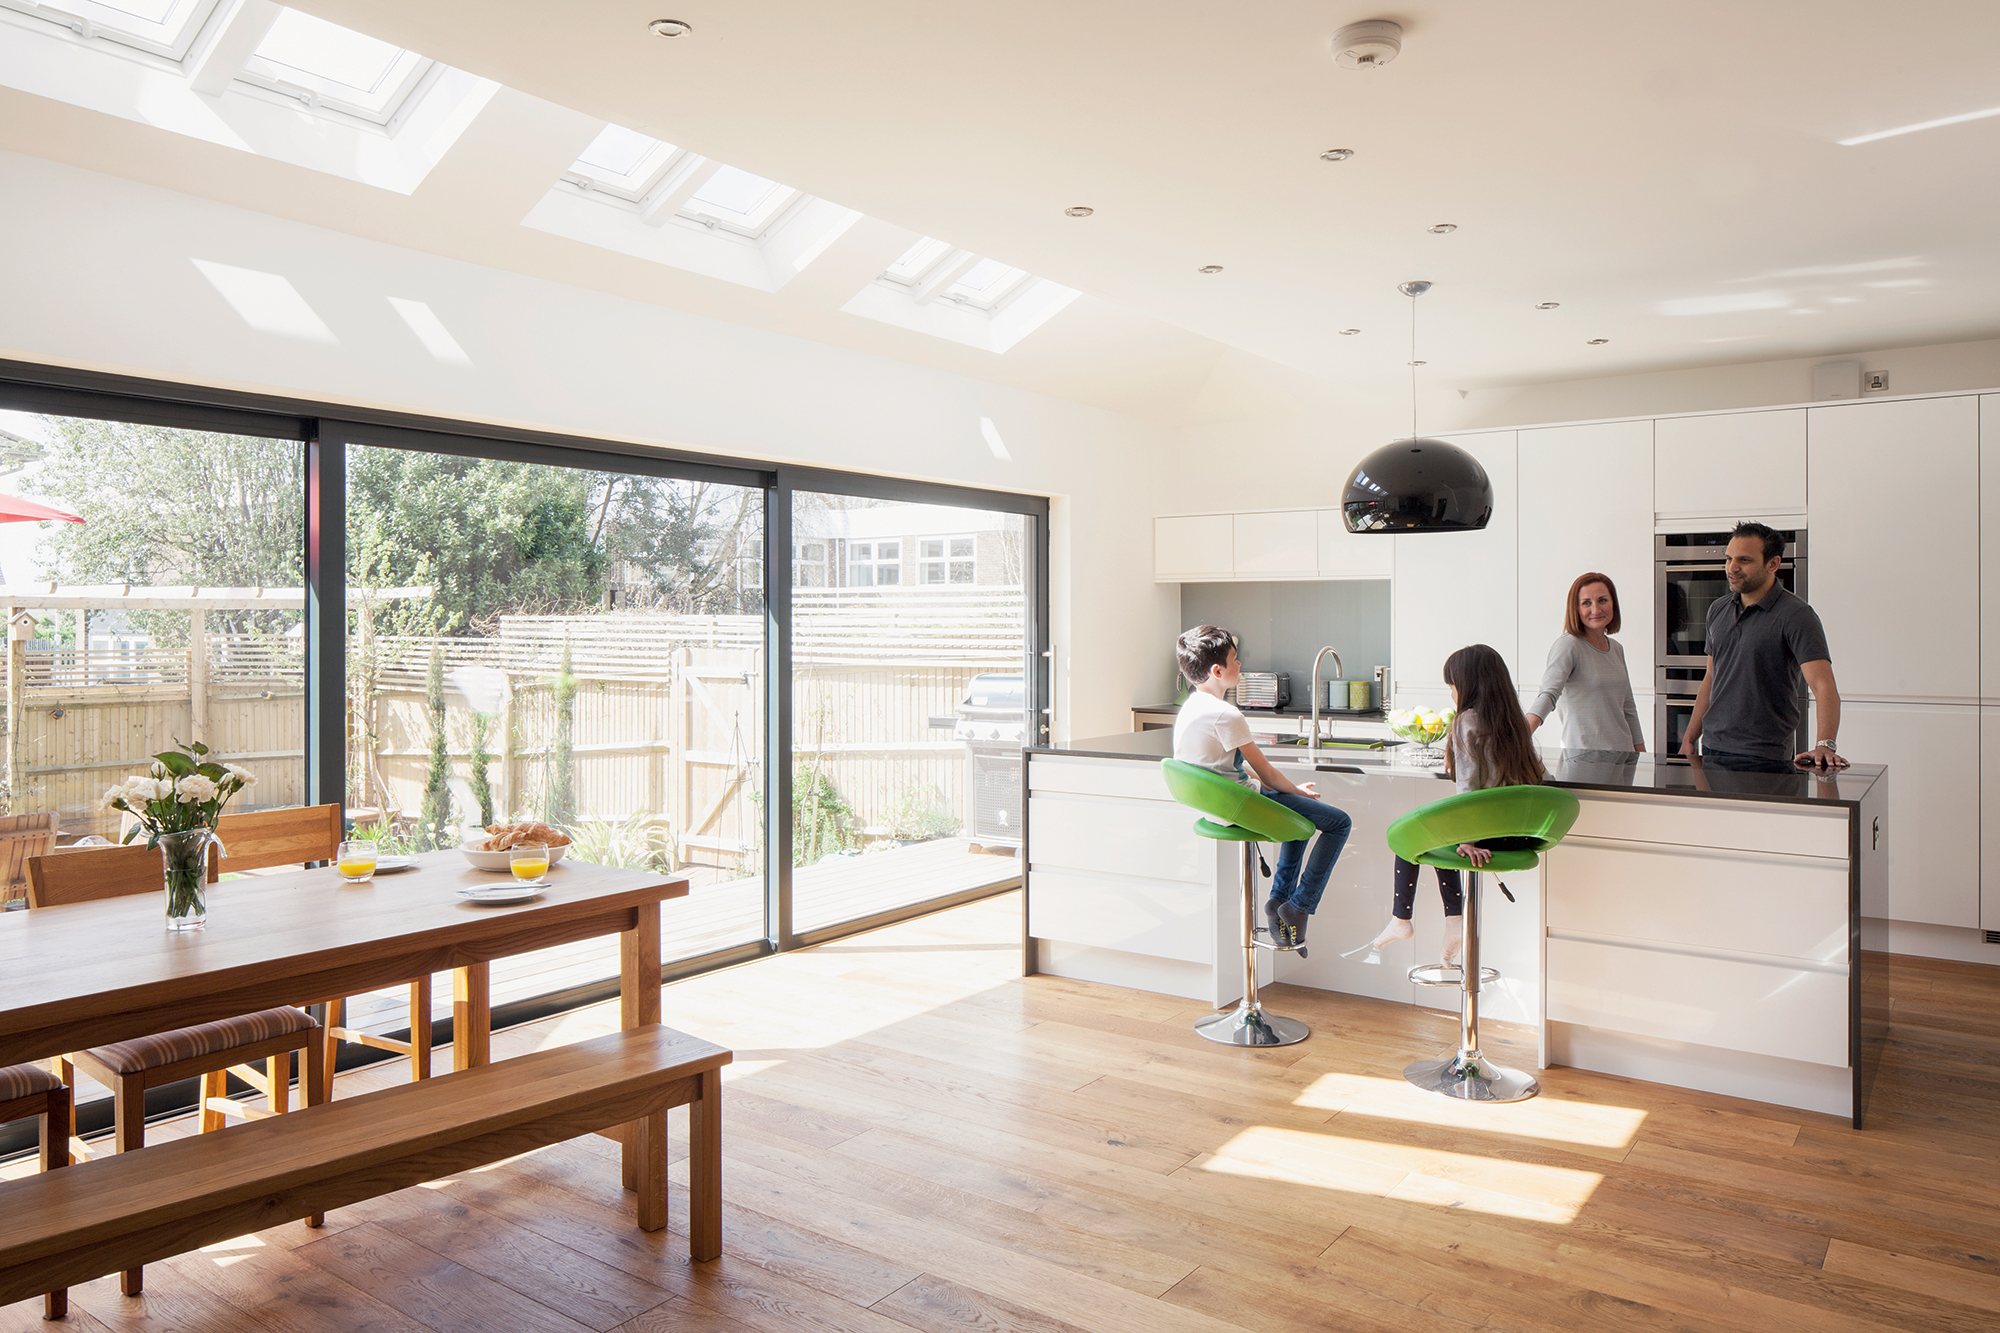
335 66
733 195
625 162
916 259
665 181
985 284
935 270
162 27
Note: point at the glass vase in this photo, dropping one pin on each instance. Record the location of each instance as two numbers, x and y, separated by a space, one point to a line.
184 871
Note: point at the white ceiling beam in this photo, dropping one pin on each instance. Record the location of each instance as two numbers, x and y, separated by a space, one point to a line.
671 199
243 29
943 276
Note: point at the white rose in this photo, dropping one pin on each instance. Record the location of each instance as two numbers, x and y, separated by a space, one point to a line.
196 788
244 777
111 797
158 770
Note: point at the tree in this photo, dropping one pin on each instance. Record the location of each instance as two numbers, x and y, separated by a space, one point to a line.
168 506
492 537
561 808
696 544
435 828
482 785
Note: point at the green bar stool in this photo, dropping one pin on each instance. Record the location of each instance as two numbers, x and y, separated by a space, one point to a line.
1517 824
1249 818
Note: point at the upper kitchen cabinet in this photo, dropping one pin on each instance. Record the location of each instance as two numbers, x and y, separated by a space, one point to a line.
1587 506
1194 549
1278 545
1350 555
1456 588
1737 465
1892 494
1989 554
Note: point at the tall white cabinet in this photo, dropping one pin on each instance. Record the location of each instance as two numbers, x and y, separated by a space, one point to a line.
1456 588
1712 471
1989 659
1587 497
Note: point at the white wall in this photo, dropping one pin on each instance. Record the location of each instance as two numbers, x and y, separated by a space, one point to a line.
100 273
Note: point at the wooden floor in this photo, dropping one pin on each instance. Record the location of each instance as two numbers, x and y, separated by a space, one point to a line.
919 1139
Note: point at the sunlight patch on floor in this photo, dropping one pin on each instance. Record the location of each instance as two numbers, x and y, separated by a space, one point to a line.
1326 1160
1546 1117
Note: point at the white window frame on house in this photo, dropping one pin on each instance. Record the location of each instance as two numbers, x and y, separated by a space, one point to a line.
945 557
809 553
868 556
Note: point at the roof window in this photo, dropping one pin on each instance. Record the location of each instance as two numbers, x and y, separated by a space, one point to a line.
325 65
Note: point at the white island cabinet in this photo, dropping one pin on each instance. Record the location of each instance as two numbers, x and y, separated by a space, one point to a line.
1696 928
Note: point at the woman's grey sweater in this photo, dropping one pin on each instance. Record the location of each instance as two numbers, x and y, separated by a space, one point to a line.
1598 711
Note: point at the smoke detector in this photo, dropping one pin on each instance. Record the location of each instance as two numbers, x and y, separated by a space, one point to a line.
1367 45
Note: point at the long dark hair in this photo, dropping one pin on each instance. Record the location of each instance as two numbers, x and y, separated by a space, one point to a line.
1501 745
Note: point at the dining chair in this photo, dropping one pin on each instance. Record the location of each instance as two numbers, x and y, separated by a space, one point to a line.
209 1051
30 1090
23 836
301 835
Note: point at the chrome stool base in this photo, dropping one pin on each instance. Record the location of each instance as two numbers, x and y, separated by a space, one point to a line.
1245 1026
1472 1078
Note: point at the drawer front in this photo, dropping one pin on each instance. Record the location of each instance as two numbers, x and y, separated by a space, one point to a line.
1792 908
1695 822
1139 779
1792 1013
1144 917
1143 839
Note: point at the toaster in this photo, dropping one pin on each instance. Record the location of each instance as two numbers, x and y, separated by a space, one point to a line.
1264 689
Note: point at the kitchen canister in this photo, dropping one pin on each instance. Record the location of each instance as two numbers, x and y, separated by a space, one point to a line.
1357 695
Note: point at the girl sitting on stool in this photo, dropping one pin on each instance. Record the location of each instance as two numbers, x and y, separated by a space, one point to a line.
1488 745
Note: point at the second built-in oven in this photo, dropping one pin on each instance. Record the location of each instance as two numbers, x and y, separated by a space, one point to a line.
1690 574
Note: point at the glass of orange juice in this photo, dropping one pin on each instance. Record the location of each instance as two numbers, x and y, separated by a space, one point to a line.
529 860
356 862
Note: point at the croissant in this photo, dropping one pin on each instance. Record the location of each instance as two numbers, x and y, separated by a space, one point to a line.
506 836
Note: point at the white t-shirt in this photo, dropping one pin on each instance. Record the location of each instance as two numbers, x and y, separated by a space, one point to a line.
1209 732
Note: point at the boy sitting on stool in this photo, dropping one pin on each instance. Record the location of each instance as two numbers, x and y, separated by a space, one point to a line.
1210 732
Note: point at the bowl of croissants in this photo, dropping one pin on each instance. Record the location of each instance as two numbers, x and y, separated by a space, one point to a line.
492 848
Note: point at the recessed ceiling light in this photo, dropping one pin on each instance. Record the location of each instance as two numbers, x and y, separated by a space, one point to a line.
1548 305
670 28
1209 268
1597 342
1346 332
1336 155
1080 211
1444 229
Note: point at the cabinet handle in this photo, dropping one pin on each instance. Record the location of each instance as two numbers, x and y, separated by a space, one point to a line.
1875 838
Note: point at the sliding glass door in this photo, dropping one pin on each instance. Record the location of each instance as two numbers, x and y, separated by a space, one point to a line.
910 639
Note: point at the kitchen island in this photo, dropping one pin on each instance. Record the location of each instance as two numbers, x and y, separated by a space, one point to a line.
1698 927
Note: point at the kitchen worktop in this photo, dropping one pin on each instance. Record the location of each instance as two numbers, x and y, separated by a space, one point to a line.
1581 770
1290 711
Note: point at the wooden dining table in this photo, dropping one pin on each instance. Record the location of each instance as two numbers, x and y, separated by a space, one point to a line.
86 974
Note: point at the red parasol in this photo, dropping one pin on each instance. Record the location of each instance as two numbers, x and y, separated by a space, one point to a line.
27 511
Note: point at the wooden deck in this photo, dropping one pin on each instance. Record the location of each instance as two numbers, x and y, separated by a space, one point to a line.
721 914
919 1139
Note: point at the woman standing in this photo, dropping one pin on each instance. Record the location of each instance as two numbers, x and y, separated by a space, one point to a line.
1586 671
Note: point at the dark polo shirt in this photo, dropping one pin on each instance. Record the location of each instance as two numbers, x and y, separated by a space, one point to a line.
1754 683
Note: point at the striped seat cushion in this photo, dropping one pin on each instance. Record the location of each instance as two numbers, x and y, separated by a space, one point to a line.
166 1048
25 1081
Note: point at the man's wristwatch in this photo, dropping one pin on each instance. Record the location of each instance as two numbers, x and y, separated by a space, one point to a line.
1828 746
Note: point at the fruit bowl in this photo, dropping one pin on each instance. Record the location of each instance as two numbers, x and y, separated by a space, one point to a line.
501 860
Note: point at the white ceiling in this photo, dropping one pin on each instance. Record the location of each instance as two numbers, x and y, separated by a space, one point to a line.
1668 173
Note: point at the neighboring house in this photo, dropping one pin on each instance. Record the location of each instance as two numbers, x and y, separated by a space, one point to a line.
906 545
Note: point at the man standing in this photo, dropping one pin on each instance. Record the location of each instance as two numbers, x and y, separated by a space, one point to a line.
1761 639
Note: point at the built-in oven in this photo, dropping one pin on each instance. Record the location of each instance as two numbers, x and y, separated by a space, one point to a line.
1690 573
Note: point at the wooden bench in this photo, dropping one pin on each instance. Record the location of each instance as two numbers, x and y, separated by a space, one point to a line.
67 1227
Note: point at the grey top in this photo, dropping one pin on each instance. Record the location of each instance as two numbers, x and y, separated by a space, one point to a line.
1464 759
1754 682
1598 711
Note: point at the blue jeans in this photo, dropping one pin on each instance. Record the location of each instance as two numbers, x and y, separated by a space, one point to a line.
1303 891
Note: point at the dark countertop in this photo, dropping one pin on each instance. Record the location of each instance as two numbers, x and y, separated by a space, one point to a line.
1579 770
1338 714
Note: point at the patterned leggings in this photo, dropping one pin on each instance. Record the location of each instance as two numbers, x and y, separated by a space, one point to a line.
1449 889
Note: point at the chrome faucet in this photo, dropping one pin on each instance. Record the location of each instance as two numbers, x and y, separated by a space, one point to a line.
1312 741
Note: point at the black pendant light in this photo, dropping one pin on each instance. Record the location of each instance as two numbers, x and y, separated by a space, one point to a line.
1418 484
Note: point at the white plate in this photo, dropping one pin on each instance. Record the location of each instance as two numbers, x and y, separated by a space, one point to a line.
389 865
504 893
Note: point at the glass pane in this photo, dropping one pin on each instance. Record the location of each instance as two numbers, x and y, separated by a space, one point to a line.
581 649
617 151
961 547
150 11
917 259
314 49
908 714
176 614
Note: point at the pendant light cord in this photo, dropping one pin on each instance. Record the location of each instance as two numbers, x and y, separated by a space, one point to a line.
1413 366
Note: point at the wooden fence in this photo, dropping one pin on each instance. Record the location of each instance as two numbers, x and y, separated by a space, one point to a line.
667 727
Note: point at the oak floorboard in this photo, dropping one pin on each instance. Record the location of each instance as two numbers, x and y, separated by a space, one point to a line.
920 1140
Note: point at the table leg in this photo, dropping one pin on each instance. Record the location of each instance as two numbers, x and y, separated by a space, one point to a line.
705 1169
471 1016
639 1005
